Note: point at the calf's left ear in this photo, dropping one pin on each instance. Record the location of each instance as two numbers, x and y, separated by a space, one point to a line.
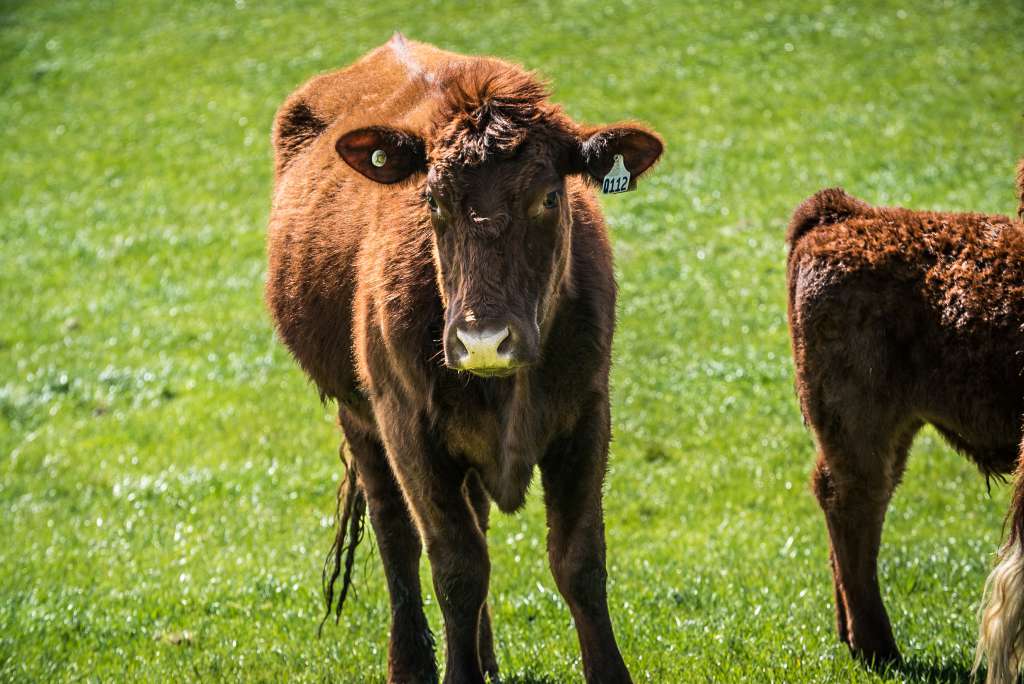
638 146
382 154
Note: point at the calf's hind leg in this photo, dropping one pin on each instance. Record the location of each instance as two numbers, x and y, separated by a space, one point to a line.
411 644
854 479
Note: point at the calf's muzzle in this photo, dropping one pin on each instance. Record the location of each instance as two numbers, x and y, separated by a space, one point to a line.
488 348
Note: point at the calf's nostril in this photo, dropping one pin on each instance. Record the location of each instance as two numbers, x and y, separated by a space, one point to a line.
458 349
505 346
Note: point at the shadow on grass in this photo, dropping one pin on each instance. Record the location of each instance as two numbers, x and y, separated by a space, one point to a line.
920 670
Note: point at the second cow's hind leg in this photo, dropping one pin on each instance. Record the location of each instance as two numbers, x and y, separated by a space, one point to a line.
854 480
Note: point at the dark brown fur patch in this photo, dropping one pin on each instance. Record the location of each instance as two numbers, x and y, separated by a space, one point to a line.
296 127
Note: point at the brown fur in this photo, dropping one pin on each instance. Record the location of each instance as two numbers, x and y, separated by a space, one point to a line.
899 318
367 285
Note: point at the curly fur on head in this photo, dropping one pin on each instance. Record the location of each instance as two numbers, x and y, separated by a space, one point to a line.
489 108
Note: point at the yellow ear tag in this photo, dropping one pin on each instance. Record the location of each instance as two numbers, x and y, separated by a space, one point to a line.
617 180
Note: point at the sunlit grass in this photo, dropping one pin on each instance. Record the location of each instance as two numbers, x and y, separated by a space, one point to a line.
165 468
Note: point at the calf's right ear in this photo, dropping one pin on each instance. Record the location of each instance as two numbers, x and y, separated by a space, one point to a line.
382 154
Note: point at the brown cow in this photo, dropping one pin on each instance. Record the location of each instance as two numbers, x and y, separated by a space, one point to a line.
900 318
440 267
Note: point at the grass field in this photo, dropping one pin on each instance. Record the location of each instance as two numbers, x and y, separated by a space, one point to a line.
167 474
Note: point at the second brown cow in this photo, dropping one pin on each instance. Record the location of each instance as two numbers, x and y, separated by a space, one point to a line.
899 319
440 267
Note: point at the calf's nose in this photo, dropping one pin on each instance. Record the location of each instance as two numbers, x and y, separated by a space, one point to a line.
483 348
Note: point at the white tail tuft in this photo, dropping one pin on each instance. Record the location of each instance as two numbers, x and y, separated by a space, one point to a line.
1001 636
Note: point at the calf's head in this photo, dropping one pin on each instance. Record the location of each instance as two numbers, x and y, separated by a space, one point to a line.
491 183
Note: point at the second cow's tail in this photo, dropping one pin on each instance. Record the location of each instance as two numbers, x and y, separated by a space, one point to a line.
1001 635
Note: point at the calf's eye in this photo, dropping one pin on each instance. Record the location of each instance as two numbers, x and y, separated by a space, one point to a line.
551 200
431 202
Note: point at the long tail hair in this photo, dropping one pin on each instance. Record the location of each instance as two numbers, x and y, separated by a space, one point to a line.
349 519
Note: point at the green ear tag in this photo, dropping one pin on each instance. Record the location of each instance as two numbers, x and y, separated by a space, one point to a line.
617 179
379 158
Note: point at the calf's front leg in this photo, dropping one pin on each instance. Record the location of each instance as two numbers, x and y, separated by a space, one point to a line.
573 473
481 504
432 483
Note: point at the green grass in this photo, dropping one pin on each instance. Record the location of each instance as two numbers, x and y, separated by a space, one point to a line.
164 466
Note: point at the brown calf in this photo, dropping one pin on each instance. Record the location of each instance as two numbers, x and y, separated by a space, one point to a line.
440 267
900 318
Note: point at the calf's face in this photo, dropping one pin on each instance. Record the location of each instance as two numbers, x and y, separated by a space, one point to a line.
501 228
501 244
